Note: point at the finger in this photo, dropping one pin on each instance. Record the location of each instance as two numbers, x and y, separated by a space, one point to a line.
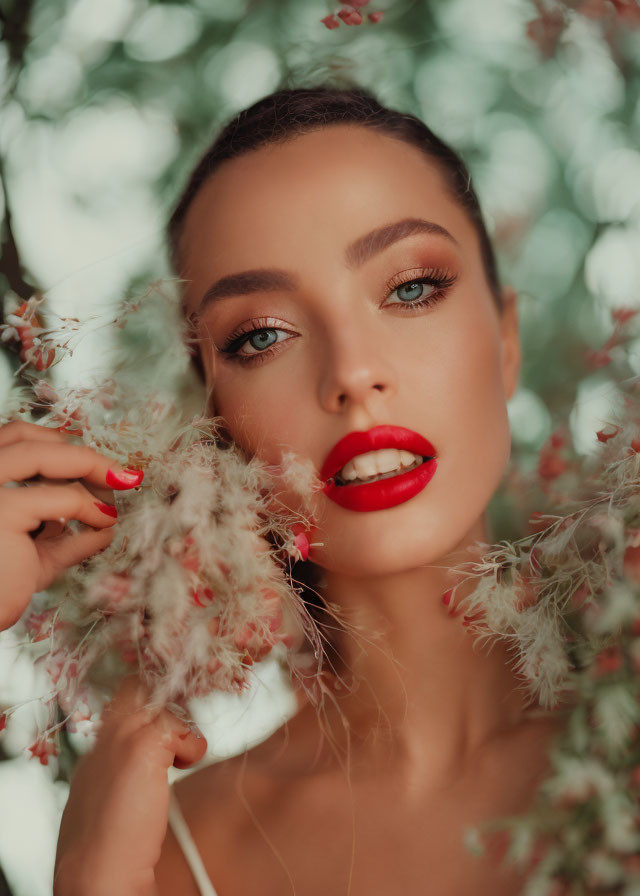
127 719
25 459
23 509
64 551
35 532
21 431
126 712
188 744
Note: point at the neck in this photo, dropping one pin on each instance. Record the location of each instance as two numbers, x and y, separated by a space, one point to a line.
412 691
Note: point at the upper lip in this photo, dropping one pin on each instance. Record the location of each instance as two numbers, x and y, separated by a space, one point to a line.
383 436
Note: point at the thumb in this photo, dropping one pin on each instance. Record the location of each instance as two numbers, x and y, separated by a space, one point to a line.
191 748
187 742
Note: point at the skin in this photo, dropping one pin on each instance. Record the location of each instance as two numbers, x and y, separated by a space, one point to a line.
430 712
422 734
64 480
99 836
446 372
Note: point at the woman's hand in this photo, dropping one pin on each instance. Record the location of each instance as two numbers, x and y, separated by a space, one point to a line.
115 820
30 562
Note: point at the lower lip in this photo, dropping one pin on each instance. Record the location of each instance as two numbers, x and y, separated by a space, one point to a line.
383 493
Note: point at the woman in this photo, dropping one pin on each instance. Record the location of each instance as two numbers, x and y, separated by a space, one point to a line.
343 287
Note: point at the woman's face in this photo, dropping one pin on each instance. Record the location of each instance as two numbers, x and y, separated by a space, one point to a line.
339 345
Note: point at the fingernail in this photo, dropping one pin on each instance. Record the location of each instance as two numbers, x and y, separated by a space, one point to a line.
106 508
193 729
128 478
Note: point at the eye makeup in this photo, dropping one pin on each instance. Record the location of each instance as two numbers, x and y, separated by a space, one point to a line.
439 279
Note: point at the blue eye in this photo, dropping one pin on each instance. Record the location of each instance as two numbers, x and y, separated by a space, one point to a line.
255 343
413 290
261 339
257 340
413 295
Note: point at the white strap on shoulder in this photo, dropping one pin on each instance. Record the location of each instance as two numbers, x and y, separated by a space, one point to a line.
190 850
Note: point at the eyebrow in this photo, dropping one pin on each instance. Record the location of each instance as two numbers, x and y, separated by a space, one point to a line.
356 254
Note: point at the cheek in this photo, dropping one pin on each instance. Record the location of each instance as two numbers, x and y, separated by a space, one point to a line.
469 413
264 409
452 393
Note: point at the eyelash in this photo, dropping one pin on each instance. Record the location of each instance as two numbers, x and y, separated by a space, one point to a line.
440 279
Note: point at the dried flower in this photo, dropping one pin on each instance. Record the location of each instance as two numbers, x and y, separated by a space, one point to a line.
608 432
330 22
597 358
350 16
43 748
545 31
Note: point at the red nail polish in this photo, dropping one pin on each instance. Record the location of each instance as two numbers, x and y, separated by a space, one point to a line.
127 479
106 508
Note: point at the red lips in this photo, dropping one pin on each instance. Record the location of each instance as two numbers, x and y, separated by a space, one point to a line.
372 440
383 493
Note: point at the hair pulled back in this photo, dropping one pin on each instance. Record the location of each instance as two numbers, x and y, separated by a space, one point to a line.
290 112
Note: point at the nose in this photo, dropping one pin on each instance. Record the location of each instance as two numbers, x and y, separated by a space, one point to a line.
354 371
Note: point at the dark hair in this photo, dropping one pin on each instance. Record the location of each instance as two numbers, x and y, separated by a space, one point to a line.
290 112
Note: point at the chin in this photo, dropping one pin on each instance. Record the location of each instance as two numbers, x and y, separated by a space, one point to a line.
440 522
373 549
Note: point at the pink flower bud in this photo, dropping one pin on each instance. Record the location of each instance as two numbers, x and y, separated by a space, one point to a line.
608 432
202 596
302 544
595 358
622 315
375 17
42 749
550 466
350 16
330 22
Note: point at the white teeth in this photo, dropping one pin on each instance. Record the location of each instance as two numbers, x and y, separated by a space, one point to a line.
385 460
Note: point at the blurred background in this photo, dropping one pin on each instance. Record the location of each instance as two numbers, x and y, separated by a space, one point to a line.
106 106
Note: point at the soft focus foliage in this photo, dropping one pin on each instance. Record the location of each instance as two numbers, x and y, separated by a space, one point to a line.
105 106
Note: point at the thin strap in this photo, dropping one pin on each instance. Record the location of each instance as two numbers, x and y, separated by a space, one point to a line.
190 850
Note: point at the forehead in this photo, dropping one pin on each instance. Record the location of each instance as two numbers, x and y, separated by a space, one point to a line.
285 204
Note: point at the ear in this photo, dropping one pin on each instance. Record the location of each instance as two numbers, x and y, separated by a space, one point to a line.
510 339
